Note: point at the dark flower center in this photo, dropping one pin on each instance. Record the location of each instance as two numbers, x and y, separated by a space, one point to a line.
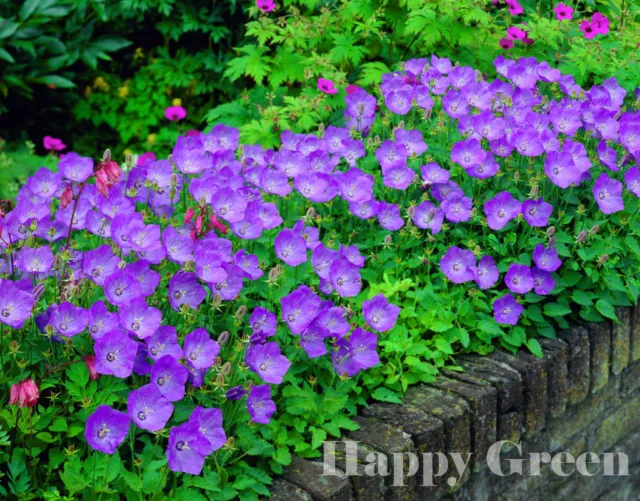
177 295
180 445
119 291
135 325
193 356
6 313
291 318
142 416
111 357
161 380
102 432
64 327
533 211
501 213
95 273
94 329
154 351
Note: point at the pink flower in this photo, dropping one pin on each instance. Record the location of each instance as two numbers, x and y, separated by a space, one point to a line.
563 12
588 29
67 197
514 8
188 217
515 33
506 43
600 23
265 5
327 86
53 144
90 360
24 394
192 132
149 156
217 224
351 89
528 41
175 113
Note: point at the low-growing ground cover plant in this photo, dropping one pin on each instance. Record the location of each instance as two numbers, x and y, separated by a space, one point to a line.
177 327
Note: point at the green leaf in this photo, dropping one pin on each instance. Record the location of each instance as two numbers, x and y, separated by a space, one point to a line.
386 395
28 7
7 29
78 373
283 456
6 56
556 310
111 44
59 424
606 310
534 347
58 81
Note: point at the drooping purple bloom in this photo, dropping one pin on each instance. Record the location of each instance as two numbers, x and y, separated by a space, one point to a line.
164 342
15 305
501 209
608 194
442 191
536 212
506 310
209 422
299 308
148 408
248 263
115 353
291 247
69 319
169 377
185 289
458 264
101 320
380 314
121 288
546 258
38 260
260 405
141 365
518 278
235 393
75 167
106 428
187 449
352 253
312 340
486 273
428 216
345 277
200 350
543 283
139 318
632 179
268 362
362 345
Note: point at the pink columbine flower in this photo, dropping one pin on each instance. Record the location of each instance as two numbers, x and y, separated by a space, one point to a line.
506 43
563 12
265 5
24 394
53 143
588 29
90 361
175 113
600 23
327 86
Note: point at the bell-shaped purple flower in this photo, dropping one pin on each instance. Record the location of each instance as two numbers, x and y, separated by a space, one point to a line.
263 322
101 320
518 278
428 216
468 153
169 378
345 278
291 247
164 342
209 422
457 209
115 354
139 318
299 308
187 449
184 288
546 258
506 310
389 216
38 260
543 283
260 405
608 194
100 263
200 350
486 273
536 212
501 209
69 319
179 246
458 265
362 345
15 305
268 362
229 205
106 428
632 180
342 359
76 168
148 409
121 288
380 314
561 169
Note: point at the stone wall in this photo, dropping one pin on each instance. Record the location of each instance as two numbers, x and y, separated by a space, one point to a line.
584 395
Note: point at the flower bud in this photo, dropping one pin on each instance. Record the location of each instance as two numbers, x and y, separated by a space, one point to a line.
122 265
248 385
106 156
535 189
311 213
321 129
223 338
90 361
581 237
552 241
551 231
594 229
226 369
219 380
14 347
235 393
241 312
229 443
38 290
603 259
217 362
217 300
388 240
188 217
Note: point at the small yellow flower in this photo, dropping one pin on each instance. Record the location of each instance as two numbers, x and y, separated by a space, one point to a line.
151 138
176 102
128 152
123 91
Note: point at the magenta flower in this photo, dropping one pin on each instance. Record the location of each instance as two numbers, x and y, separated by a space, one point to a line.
458 264
265 5
106 428
563 12
260 405
519 279
268 362
53 144
173 113
546 258
506 43
515 33
327 86
187 448
515 9
608 194
148 409
506 310
600 23
501 209
588 29
380 314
